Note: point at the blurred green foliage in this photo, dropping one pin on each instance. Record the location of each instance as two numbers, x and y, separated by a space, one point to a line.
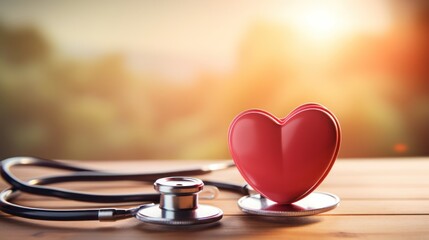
59 107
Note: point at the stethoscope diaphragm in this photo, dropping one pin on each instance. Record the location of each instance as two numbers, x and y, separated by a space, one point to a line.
314 203
202 215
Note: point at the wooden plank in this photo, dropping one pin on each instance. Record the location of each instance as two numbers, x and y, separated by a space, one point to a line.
378 192
248 227
386 166
229 207
375 191
351 207
344 173
385 185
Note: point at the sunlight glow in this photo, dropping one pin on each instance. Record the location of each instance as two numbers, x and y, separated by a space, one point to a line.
321 23
331 20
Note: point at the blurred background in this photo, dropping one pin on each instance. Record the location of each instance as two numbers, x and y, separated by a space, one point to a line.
163 79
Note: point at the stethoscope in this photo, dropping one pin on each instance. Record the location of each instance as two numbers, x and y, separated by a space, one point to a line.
176 200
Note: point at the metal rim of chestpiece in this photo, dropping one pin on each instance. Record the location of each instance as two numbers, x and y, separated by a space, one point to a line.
179 204
314 203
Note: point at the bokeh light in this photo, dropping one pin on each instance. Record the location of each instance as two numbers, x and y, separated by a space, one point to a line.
163 79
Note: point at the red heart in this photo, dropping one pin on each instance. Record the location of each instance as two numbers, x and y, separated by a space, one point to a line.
285 159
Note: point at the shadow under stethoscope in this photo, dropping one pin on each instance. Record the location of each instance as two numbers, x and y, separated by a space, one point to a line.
282 221
240 222
147 227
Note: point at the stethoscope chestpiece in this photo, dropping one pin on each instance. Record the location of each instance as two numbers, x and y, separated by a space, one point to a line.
179 204
314 203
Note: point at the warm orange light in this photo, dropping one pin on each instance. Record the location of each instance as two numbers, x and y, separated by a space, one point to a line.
400 148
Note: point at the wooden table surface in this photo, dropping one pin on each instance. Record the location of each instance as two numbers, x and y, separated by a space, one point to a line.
380 199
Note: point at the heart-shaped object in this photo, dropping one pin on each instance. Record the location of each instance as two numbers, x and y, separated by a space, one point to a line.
285 159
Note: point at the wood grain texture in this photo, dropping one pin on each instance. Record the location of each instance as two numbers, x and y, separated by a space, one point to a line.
381 199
